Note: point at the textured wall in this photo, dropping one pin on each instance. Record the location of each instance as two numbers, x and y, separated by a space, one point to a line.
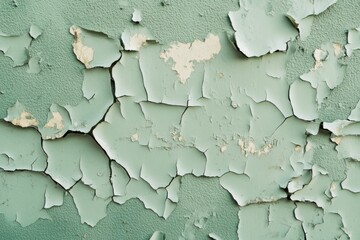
174 119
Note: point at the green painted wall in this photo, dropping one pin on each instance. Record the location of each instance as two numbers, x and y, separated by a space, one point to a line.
179 119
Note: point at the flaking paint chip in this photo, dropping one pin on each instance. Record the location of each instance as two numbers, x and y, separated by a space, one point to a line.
136 16
135 38
35 31
16 47
258 31
353 39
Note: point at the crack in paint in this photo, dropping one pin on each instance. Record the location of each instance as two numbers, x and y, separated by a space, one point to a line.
224 109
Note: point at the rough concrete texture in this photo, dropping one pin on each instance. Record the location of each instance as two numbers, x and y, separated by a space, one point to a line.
179 119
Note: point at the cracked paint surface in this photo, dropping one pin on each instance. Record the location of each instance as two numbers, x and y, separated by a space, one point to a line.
180 120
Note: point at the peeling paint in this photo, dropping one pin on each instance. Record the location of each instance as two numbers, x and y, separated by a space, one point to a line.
185 54
191 120
255 19
84 53
302 13
18 116
94 49
55 122
16 47
136 17
135 38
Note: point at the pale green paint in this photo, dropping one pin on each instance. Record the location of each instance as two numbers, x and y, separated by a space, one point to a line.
251 123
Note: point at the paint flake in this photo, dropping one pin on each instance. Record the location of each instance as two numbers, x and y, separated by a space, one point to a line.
30 156
258 31
35 31
327 72
303 100
136 16
25 206
136 38
91 208
16 47
302 13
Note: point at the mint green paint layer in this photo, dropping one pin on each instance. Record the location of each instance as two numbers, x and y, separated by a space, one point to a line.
179 119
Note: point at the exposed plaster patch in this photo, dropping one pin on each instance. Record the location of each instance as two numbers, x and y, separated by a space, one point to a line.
135 137
55 122
94 49
185 54
18 116
83 53
25 120
223 148
302 13
135 38
337 48
336 140
58 123
248 146
319 55
137 41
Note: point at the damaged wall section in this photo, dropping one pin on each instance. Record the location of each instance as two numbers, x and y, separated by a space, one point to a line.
190 121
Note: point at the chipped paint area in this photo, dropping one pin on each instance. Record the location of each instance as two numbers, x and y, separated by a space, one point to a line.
185 54
83 53
259 30
135 120
137 41
248 146
319 55
25 120
55 122
18 116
